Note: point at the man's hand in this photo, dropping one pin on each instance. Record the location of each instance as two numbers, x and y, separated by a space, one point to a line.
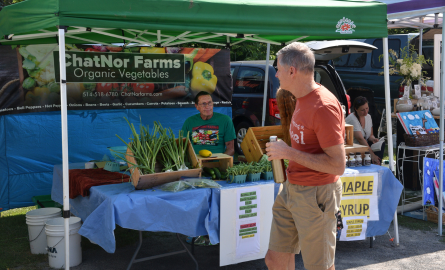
276 150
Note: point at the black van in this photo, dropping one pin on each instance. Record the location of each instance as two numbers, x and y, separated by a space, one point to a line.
248 85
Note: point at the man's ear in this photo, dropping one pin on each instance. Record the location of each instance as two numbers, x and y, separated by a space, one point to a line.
196 106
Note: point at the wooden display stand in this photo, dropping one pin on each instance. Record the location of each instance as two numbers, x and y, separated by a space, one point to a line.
254 143
144 181
219 160
356 148
349 138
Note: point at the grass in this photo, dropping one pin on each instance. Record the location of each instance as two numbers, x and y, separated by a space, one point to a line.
14 243
416 224
385 153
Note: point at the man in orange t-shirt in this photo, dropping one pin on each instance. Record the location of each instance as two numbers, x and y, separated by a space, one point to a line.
304 212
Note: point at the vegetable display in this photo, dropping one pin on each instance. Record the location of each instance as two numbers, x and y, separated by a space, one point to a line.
156 146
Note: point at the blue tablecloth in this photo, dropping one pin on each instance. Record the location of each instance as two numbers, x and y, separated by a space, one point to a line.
189 212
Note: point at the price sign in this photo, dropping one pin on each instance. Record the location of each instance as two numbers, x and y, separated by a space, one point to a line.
406 91
417 90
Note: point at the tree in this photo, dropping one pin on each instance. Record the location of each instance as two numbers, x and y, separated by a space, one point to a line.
394 31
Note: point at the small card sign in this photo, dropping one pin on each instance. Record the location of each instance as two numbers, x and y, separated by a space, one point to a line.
417 90
406 91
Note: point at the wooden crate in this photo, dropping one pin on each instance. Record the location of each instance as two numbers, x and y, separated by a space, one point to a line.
254 143
155 179
356 148
349 138
219 160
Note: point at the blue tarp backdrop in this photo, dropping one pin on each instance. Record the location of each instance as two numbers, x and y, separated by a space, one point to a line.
30 144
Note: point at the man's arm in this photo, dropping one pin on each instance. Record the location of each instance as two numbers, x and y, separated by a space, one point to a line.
230 148
332 161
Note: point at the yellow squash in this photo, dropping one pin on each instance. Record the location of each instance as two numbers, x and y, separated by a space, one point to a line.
205 153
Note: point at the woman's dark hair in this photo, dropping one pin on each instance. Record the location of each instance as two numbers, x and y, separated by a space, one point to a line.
358 102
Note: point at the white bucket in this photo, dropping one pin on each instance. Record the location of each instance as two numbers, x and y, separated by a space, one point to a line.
36 227
56 243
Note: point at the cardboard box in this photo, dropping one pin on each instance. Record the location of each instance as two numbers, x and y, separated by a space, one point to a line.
155 179
219 160
254 143
349 138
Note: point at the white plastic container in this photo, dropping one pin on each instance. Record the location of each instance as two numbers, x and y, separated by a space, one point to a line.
358 160
56 243
367 161
36 219
351 160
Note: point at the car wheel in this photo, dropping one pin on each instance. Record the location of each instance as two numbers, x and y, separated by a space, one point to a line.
241 130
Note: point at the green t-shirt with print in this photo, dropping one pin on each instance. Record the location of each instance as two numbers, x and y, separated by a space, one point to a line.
209 134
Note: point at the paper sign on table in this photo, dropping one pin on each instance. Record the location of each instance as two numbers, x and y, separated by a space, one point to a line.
354 228
247 223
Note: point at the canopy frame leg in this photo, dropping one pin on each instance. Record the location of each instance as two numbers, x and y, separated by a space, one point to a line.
64 113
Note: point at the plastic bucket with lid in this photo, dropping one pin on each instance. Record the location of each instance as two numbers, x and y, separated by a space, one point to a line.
36 220
55 233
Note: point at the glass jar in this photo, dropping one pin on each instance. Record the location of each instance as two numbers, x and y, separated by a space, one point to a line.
351 159
431 102
422 103
404 104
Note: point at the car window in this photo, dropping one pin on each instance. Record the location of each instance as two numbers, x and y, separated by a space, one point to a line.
322 77
393 44
357 60
341 61
249 80
232 69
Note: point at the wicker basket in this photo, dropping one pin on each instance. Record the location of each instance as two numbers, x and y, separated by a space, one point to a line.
432 214
421 140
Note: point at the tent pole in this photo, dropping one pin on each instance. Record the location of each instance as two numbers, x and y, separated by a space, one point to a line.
389 125
442 78
66 202
266 83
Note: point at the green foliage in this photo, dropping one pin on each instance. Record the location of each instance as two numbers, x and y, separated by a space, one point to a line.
395 31
246 51
4 3
243 51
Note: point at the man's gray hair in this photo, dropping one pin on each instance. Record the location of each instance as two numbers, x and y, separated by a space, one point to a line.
297 55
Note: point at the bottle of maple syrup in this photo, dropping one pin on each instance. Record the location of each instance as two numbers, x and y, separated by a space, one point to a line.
278 167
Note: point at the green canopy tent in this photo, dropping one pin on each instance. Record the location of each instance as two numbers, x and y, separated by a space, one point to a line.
170 23
179 21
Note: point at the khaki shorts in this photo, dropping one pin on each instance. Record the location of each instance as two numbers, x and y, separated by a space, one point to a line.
300 223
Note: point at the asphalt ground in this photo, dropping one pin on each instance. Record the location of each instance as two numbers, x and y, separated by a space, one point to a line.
418 249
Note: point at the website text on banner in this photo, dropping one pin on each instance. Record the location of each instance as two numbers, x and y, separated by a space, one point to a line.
359 204
105 77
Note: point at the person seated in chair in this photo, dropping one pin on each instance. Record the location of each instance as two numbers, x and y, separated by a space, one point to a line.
362 123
